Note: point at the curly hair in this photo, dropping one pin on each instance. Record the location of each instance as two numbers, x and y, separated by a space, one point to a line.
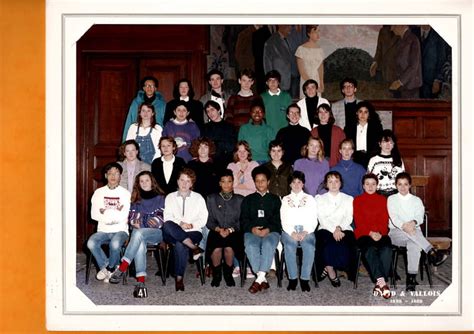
196 143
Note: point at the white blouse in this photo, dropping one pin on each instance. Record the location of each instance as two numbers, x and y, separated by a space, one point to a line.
334 211
298 209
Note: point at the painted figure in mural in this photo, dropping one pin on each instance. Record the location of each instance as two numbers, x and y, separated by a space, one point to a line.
434 53
215 78
259 37
183 91
150 95
344 110
239 104
277 55
408 70
309 58
243 49
385 55
296 37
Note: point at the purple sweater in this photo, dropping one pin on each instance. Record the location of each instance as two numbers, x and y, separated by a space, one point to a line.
314 171
184 135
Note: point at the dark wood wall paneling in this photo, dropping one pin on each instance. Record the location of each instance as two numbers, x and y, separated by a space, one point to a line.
112 59
424 132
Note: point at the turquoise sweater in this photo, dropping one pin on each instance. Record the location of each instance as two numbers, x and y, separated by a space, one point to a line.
275 109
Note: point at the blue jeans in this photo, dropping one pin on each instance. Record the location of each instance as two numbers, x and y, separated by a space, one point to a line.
260 251
136 248
174 234
115 241
308 246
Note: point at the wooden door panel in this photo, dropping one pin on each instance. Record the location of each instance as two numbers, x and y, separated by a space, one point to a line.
168 68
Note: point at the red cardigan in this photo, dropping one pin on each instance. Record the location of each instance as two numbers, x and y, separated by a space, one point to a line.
370 214
337 136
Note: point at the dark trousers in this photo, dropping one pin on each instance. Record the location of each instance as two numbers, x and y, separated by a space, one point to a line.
377 254
174 234
338 254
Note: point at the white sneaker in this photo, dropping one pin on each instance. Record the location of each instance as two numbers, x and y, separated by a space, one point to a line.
250 273
236 272
103 274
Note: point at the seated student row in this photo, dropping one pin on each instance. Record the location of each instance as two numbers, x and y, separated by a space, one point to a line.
185 213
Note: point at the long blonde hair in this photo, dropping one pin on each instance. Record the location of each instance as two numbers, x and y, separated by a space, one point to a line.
305 151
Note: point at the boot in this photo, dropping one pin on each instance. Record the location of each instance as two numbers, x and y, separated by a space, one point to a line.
411 282
292 283
216 276
229 280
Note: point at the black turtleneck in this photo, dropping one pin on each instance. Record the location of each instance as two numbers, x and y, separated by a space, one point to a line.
324 132
148 194
311 105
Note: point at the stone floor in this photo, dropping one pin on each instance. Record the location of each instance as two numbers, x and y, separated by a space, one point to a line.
196 294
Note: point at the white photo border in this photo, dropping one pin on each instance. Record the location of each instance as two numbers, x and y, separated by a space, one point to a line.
68 308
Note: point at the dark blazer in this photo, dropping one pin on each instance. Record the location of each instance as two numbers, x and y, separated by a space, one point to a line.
374 130
409 61
157 171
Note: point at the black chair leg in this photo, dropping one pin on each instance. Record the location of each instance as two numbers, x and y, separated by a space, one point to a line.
243 270
277 266
162 264
200 268
359 258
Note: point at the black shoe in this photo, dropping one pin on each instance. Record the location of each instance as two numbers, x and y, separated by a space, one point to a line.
116 276
229 280
411 282
179 285
335 282
216 276
140 291
436 258
292 284
305 285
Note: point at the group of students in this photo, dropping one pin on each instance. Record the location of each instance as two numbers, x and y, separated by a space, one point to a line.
226 219
197 175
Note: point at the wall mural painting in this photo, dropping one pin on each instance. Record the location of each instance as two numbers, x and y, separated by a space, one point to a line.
387 61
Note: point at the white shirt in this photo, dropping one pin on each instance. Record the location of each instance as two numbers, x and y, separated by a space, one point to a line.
273 94
298 209
334 211
191 210
167 168
304 121
402 209
113 219
361 139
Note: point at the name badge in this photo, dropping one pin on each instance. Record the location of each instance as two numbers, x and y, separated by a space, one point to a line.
261 213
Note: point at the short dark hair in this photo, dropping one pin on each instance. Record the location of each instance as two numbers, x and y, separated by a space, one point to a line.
273 74
334 173
176 89
261 170
226 172
213 104
403 175
297 175
149 77
293 105
307 83
370 176
349 80
193 150
212 72
326 107
257 103
275 143
311 27
111 165
248 73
